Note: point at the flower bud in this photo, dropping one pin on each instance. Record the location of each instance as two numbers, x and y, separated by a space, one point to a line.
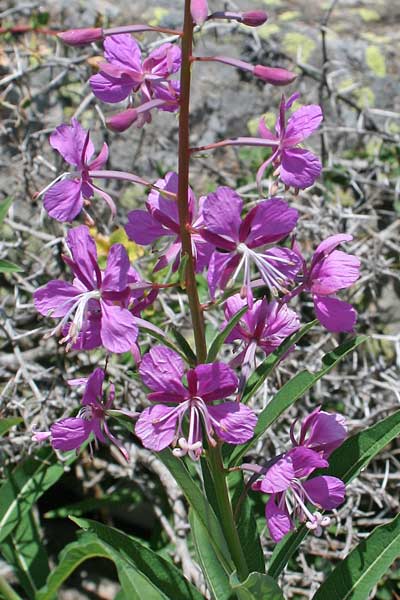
254 18
274 76
121 121
199 10
80 37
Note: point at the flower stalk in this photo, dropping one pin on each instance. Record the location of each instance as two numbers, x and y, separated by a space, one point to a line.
214 454
183 187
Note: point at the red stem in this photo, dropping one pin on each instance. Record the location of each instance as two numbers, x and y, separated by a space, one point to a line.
183 187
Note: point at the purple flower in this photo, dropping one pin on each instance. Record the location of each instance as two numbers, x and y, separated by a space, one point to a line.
297 167
264 326
289 495
332 270
70 433
199 11
162 220
124 72
236 239
321 431
64 200
162 370
94 308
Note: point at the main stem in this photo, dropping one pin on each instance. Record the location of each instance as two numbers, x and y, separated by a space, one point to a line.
183 187
214 454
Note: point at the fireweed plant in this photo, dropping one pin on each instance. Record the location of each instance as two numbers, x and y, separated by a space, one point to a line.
254 267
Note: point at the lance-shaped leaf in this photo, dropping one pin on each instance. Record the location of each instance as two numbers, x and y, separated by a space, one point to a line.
7 424
214 573
4 207
24 551
257 586
221 337
346 463
291 391
201 507
25 484
268 365
8 267
360 571
157 574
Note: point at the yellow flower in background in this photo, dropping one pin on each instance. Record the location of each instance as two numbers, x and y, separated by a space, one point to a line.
104 243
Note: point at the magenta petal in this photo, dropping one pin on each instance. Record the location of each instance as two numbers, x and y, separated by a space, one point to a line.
164 60
64 200
118 328
271 221
278 477
162 370
94 388
302 123
278 520
111 89
284 260
215 381
324 431
115 277
143 228
70 434
334 314
123 50
56 297
264 132
155 435
299 168
100 159
84 254
89 336
69 141
328 245
236 422
220 269
325 491
337 271
222 214
305 461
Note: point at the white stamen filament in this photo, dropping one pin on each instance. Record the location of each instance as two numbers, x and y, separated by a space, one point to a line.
79 307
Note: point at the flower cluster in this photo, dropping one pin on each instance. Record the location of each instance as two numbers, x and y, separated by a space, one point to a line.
250 259
287 483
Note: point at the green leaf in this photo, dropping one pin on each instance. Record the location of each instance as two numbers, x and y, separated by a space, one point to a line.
162 577
24 551
267 366
184 346
221 337
6 424
4 207
356 575
214 573
247 526
25 484
70 558
346 463
200 505
256 587
8 267
291 391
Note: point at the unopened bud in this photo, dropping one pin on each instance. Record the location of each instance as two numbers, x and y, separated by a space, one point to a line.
254 18
199 11
123 120
274 76
80 37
